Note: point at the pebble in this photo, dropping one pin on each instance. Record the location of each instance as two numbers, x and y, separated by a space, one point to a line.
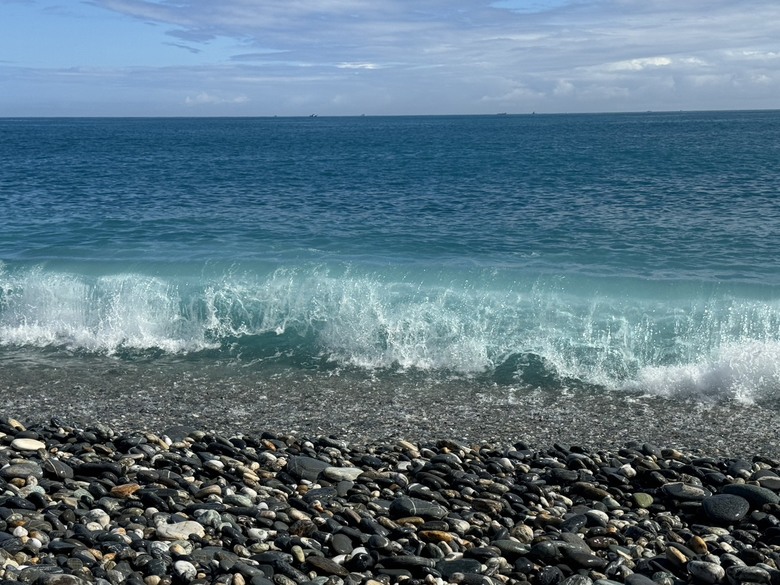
725 508
180 530
27 444
757 496
706 572
192 507
643 500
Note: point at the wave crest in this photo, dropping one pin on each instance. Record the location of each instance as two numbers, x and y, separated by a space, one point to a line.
543 332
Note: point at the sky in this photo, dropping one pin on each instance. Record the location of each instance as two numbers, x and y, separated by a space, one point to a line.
385 57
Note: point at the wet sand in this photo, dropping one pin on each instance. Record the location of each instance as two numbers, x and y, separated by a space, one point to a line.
363 412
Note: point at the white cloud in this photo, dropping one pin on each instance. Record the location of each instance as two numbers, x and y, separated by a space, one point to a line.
358 66
210 99
466 56
639 64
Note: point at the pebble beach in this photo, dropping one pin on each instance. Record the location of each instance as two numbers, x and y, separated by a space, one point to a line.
535 490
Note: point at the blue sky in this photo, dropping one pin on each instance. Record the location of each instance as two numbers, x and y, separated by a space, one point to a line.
350 57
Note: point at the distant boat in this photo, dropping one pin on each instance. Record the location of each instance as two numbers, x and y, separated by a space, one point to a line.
501 114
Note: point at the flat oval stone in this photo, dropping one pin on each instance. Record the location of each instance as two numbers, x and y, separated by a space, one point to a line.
725 508
22 471
341 543
342 473
639 579
770 482
436 535
449 568
59 469
405 506
407 561
684 491
586 560
748 574
327 566
28 444
756 495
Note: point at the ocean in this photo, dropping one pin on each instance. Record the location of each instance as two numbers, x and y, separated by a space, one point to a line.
611 255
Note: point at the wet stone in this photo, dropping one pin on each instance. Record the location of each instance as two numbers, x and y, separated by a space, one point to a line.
404 507
341 543
748 574
550 575
449 568
21 471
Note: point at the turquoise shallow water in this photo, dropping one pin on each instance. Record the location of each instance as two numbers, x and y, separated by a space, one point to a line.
633 253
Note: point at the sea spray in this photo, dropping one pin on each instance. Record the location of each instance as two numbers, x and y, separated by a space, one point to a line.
542 331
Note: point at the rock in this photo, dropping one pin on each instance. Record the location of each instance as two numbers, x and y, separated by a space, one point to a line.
125 490
28 445
58 469
639 579
180 530
725 508
642 500
436 535
448 568
342 473
306 467
748 574
341 543
22 471
405 506
706 572
577 580
327 566
756 495
286 510
683 491
185 570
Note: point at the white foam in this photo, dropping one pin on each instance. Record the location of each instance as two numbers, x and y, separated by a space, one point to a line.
746 371
102 314
713 346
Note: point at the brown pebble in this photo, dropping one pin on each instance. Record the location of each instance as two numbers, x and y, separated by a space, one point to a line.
676 557
436 535
125 490
413 520
698 545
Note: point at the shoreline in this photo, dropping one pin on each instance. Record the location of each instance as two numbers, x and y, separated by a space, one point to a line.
366 413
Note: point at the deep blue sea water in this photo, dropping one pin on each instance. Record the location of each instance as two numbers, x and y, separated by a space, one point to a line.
615 253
